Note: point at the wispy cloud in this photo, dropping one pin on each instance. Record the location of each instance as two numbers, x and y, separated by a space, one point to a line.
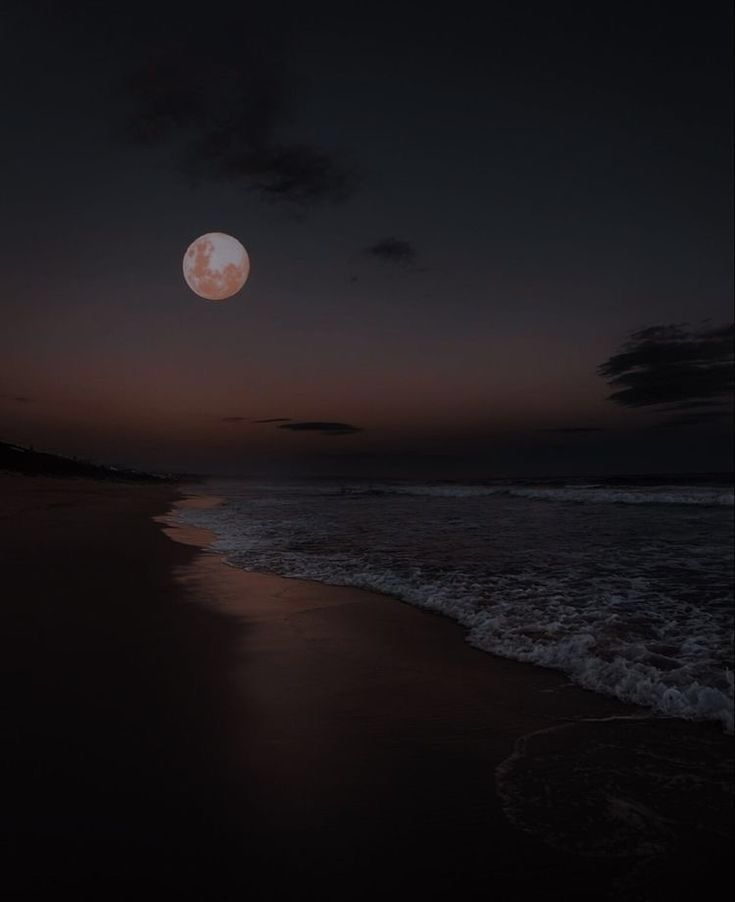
223 107
675 369
393 250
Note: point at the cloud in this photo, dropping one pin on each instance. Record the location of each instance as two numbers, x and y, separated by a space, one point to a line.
571 430
297 173
233 419
274 420
673 366
323 428
393 250
224 107
20 399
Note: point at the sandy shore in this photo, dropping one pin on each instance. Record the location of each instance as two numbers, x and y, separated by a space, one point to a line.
189 730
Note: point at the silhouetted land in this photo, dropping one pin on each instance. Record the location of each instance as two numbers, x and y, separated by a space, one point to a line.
19 459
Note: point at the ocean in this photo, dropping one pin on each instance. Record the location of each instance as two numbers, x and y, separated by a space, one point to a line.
625 585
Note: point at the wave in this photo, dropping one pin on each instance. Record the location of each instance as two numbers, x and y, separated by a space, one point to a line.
633 606
579 494
556 637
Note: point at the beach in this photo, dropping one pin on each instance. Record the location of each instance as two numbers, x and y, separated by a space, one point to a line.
186 729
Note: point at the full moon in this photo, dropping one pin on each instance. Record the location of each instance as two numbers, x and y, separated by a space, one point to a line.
216 266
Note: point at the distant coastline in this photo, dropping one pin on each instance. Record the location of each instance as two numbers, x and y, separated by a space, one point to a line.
28 461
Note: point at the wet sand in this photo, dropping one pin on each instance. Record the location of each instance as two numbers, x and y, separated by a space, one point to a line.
189 730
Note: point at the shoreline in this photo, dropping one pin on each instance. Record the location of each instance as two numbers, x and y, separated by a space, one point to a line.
204 538
548 709
190 728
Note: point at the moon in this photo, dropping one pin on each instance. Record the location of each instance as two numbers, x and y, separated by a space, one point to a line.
216 266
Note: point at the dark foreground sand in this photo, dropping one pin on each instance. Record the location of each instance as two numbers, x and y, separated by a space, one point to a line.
183 730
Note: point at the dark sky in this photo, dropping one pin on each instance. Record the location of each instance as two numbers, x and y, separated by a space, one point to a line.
458 220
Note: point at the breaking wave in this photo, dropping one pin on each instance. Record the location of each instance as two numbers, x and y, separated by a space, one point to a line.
629 601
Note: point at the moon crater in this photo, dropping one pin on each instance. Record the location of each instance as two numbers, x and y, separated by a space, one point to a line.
216 266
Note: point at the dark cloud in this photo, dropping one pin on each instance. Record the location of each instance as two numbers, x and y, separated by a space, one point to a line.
672 365
571 430
274 420
323 428
20 399
297 173
224 106
234 419
393 250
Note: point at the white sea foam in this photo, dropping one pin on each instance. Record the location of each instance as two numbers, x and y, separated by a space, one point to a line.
589 493
632 602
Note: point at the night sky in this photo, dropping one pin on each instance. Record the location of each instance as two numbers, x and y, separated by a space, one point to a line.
463 223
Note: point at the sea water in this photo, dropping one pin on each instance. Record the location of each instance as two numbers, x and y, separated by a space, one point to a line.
626 588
